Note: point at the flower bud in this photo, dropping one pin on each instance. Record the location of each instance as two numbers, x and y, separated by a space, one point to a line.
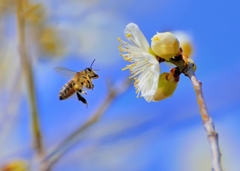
16 165
165 45
167 84
185 42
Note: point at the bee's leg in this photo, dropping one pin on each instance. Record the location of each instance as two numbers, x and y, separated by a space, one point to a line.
80 98
83 92
90 86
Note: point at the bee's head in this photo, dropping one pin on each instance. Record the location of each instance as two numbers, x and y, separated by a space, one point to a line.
91 72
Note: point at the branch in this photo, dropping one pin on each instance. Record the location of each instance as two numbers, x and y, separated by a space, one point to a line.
207 120
72 139
26 66
186 66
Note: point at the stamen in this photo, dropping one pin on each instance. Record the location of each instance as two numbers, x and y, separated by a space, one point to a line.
134 74
128 59
123 69
128 35
127 67
136 81
139 67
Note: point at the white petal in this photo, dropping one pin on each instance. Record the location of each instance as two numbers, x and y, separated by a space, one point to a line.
136 37
148 78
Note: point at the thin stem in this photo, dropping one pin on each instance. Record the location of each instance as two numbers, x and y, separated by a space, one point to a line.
207 120
63 147
27 68
186 66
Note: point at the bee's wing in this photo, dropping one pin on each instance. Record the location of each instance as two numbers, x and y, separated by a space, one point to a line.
65 72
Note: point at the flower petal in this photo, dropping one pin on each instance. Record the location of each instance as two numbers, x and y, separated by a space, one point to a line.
136 37
147 69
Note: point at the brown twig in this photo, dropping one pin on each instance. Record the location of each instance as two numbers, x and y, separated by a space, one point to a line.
62 148
27 69
186 66
207 120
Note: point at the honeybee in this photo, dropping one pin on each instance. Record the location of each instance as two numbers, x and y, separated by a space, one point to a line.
80 80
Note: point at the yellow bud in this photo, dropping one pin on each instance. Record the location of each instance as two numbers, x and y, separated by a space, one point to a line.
16 165
185 42
167 84
187 48
165 45
50 42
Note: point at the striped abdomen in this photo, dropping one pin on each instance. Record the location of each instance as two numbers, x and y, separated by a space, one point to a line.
67 90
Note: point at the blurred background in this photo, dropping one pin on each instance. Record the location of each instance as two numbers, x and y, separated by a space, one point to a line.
130 134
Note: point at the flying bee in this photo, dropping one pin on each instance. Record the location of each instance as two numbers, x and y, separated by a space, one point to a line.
80 80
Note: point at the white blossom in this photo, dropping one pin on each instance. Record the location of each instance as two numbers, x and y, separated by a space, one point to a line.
144 66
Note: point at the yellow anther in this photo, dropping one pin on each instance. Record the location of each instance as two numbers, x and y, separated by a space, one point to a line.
128 59
119 39
127 67
128 35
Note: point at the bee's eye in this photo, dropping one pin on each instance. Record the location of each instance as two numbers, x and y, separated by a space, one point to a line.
88 69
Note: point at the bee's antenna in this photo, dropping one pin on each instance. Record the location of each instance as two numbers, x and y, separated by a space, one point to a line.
92 63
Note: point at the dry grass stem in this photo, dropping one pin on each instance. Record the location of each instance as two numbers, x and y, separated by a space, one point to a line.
27 70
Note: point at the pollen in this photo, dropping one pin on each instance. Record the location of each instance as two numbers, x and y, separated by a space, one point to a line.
128 59
119 39
128 35
136 81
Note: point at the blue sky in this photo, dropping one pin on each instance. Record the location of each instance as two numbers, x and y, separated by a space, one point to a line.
133 134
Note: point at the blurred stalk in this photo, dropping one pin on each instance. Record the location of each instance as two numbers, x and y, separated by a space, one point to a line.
27 70
74 138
